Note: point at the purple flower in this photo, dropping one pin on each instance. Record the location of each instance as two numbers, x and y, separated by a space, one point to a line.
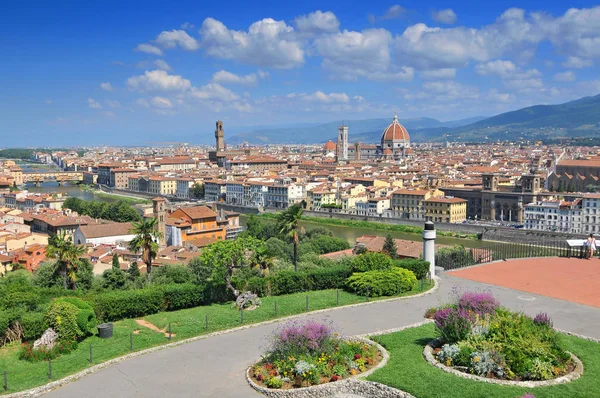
453 323
298 338
479 303
542 319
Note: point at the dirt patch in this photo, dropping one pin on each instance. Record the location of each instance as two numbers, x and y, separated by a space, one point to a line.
152 327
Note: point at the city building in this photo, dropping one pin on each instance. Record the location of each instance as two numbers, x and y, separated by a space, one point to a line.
195 226
342 144
444 209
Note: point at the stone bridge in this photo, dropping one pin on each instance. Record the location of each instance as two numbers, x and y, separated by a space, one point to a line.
38 177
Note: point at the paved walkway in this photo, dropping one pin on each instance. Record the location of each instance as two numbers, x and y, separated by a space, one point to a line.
571 279
214 367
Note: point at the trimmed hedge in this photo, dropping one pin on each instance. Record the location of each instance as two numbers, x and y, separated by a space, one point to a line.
382 283
177 297
117 305
34 324
86 317
62 317
419 267
371 261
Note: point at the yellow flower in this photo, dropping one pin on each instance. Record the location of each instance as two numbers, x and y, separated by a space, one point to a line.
476 359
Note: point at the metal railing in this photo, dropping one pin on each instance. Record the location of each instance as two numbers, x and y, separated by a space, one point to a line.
460 257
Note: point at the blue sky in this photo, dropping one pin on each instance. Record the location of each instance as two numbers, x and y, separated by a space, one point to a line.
128 72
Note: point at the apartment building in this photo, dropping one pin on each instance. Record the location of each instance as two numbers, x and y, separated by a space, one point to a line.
444 209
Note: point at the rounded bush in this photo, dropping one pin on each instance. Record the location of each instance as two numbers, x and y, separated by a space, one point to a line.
86 317
34 325
62 317
419 267
382 283
371 261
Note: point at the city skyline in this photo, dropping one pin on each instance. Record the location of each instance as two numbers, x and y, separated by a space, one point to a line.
114 73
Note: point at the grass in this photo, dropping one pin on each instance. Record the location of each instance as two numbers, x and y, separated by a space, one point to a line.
184 324
128 199
407 370
408 229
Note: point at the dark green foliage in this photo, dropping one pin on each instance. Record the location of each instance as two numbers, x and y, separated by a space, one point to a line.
389 247
180 296
371 261
382 283
172 274
200 272
115 262
47 276
279 249
449 257
86 317
26 299
328 278
27 353
322 244
5 320
62 317
85 274
419 267
134 270
34 325
117 305
285 282
119 211
114 279
258 285
197 190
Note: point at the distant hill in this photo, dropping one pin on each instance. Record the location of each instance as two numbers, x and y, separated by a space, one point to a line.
367 130
579 118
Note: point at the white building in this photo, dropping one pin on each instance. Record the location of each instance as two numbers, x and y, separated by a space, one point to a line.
215 190
591 213
555 215
235 193
107 234
281 196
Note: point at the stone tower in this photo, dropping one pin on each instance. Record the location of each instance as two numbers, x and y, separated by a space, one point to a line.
342 143
160 213
220 136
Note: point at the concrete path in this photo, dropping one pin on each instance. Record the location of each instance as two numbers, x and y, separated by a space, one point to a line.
214 367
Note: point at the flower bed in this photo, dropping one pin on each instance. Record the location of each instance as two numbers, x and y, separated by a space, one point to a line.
479 337
310 353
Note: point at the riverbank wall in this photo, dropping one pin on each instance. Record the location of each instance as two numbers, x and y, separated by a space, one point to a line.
487 233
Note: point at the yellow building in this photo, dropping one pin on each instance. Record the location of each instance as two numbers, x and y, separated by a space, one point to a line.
410 203
318 197
448 210
162 186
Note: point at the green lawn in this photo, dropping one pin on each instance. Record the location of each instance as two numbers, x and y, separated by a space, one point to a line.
407 370
184 324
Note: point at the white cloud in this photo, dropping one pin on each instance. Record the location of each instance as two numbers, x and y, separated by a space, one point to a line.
213 91
225 77
320 96
113 104
577 63
175 38
447 16
106 86
187 25
148 49
161 64
109 114
512 75
567 76
161 102
263 74
451 90
93 104
575 33
317 22
158 80
266 43
393 12
438 74
349 55
496 96
142 102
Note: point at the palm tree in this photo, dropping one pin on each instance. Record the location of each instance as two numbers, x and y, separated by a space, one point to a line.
61 247
263 260
288 223
146 236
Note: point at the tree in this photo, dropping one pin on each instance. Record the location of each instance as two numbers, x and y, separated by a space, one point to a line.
67 254
229 256
288 223
146 235
133 270
115 262
389 247
197 190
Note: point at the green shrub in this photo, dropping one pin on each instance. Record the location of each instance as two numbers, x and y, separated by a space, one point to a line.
419 267
4 321
116 305
168 274
382 283
27 353
86 317
286 282
28 300
62 317
258 285
328 278
34 325
371 261
180 296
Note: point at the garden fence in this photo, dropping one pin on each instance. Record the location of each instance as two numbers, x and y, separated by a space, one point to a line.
122 344
463 257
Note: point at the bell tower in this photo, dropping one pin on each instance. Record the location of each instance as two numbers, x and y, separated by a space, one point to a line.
159 210
220 136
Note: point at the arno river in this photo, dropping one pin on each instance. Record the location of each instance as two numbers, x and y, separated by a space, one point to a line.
348 233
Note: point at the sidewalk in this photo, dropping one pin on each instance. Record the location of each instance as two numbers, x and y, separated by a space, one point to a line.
214 367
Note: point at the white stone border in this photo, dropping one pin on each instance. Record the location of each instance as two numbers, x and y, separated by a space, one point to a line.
350 385
37 391
574 375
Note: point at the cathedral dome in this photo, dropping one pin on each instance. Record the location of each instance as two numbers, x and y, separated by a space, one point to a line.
329 146
395 132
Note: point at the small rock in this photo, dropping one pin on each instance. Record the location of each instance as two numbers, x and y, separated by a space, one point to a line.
48 339
247 300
